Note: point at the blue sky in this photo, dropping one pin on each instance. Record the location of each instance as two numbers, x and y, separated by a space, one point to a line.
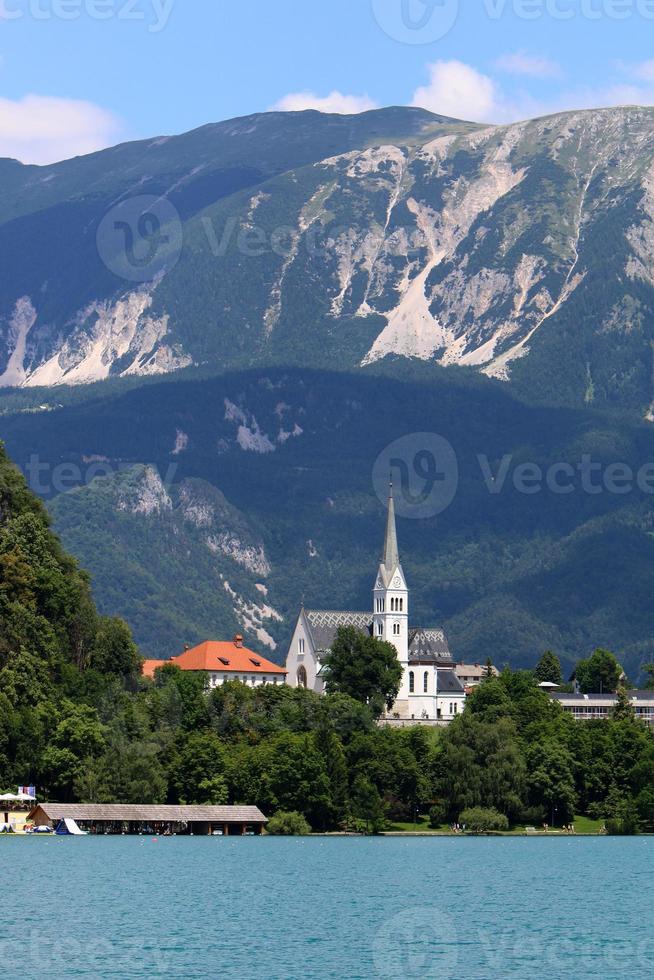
76 75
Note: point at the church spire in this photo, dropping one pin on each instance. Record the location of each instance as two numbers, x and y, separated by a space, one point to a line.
391 557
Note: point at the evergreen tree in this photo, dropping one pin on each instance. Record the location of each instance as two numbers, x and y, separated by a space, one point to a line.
548 669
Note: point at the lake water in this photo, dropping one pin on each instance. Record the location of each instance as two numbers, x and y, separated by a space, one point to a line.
327 908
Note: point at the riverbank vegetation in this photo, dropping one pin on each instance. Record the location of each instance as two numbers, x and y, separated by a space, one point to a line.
78 721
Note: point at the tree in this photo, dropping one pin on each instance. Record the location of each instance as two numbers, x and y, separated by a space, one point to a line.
437 815
624 709
367 805
331 748
364 668
648 670
599 674
198 776
548 669
481 820
550 779
114 651
288 824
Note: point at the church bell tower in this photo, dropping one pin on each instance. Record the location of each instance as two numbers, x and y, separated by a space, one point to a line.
391 598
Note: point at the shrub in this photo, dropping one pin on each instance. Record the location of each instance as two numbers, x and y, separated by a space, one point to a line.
288 824
437 815
480 820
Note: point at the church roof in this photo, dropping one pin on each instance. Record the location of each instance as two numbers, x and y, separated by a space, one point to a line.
391 557
448 683
324 623
429 646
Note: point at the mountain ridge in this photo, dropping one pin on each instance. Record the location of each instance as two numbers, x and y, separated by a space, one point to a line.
393 233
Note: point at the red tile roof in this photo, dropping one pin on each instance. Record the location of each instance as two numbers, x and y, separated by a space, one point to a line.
215 655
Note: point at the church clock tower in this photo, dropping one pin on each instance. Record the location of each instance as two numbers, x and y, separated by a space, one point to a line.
391 600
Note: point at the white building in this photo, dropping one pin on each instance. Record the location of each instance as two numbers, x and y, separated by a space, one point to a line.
594 707
430 691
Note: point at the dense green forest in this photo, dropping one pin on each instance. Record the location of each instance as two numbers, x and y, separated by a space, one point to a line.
78 721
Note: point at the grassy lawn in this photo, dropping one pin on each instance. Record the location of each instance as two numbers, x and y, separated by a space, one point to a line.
583 825
421 827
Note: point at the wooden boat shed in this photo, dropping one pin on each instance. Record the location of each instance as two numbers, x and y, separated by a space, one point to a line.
105 818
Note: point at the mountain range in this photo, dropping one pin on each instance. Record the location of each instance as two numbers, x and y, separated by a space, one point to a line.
227 327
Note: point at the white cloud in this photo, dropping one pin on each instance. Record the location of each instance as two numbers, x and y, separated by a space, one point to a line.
43 129
521 63
459 90
334 102
456 89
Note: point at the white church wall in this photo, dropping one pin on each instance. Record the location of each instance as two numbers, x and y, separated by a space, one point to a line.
302 657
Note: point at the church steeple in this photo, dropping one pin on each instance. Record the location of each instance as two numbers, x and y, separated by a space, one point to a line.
391 557
391 595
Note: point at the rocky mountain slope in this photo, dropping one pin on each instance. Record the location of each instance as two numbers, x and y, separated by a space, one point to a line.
525 252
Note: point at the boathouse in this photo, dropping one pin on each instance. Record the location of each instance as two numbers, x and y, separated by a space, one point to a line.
104 818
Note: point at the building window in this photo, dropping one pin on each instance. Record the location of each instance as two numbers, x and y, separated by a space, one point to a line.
380 629
425 682
396 629
456 708
302 677
301 645
412 682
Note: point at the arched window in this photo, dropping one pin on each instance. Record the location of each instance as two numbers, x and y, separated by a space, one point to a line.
301 676
412 682
425 682
380 629
396 629
401 605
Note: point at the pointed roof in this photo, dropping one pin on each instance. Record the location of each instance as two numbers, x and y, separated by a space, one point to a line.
391 557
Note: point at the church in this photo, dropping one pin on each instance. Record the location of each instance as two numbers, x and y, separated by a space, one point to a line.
430 692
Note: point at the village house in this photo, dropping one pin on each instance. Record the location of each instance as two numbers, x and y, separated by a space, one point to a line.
222 662
471 675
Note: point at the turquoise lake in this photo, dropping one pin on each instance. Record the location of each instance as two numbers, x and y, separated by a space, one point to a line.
327 907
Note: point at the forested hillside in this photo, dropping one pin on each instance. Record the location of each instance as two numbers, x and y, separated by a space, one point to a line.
230 499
